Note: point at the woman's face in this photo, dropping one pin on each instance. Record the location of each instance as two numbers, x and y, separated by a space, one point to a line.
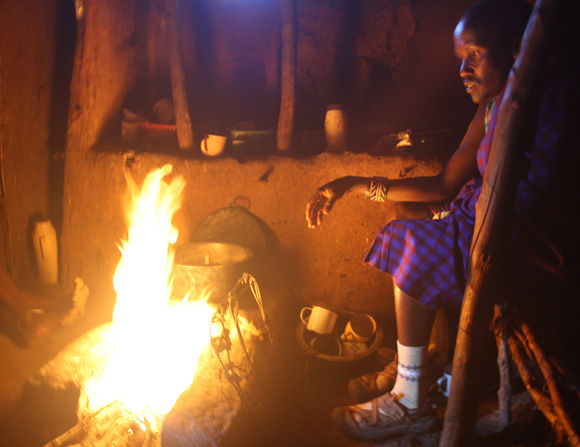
483 79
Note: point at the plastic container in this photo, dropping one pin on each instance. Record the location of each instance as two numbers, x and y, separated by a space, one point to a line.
254 140
158 133
46 251
336 128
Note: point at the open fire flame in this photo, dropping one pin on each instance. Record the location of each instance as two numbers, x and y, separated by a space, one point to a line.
155 344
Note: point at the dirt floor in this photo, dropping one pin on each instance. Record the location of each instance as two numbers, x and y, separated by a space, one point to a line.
297 409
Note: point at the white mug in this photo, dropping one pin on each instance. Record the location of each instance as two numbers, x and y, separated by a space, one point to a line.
213 145
320 320
360 328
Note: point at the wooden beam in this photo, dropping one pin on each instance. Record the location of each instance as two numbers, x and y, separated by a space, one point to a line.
288 80
177 73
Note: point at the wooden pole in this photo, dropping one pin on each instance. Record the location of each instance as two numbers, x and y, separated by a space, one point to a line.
504 393
544 403
288 78
493 206
549 376
177 74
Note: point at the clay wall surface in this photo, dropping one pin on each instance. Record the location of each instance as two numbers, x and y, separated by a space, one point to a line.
390 62
314 266
26 70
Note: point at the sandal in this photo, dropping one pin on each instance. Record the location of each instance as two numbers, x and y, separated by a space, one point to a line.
392 419
366 387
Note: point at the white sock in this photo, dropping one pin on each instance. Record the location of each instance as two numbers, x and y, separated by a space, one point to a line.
411 384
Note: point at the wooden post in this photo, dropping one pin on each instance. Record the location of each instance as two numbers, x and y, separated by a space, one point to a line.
288 78
504 393
493 206
177 73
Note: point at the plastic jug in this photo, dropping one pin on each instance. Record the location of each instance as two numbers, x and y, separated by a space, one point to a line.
336 128
46 251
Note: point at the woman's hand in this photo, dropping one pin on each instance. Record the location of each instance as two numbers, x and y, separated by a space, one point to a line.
324 198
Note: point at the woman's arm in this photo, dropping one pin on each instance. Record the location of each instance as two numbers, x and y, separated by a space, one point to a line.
461 167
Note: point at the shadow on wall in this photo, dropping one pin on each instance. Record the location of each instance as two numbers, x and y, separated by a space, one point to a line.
63 66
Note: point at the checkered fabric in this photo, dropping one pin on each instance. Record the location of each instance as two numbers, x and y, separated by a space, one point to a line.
545 239
428 259
544 162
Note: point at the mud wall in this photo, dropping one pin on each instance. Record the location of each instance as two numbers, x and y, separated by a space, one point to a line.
302 266
389 61
27 51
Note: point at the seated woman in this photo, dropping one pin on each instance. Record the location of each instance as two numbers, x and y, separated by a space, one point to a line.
427 255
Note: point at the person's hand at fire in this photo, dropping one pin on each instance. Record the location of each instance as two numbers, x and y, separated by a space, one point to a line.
324 198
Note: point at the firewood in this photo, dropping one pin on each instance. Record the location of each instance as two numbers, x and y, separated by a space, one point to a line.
504 392
543 402
549 377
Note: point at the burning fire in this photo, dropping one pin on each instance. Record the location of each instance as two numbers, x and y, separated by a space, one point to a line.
155 345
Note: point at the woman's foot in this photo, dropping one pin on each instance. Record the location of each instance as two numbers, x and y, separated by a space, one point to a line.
371 385
37 323
384 417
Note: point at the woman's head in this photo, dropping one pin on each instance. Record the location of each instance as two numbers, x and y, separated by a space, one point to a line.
486 41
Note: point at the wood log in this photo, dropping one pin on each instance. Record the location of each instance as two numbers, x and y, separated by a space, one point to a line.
288 78
177 74
548 373
504 392
495 201
56 407
543 403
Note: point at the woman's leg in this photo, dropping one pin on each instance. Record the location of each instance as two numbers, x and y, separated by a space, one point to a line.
414 321
414 325
402 409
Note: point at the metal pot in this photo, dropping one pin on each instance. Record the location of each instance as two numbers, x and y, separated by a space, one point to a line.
215 266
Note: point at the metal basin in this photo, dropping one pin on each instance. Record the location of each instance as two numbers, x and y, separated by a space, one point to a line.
208 266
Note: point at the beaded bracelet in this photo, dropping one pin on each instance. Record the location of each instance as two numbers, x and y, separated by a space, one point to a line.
377 189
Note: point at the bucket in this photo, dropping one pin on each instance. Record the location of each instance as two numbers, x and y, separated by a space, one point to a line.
215 266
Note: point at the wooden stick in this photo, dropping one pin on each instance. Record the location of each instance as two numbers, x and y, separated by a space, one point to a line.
288 78
495 201
177 73
504 393
543 402
108 426
548 373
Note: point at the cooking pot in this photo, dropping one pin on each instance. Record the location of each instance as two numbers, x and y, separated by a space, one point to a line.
214 266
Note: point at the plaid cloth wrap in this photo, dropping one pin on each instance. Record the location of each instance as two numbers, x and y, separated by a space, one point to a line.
545 239
427 258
